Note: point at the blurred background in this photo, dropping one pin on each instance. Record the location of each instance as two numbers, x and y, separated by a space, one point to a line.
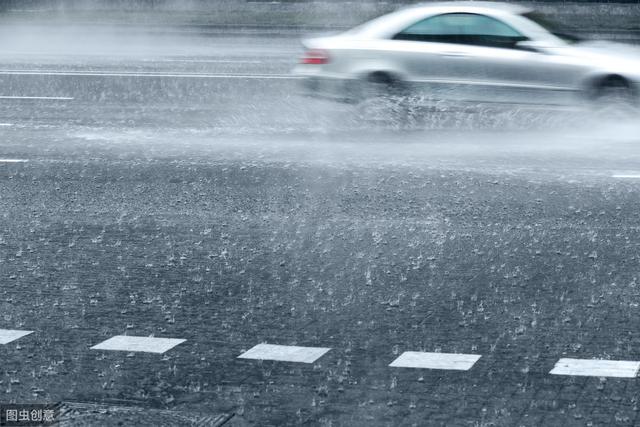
305 14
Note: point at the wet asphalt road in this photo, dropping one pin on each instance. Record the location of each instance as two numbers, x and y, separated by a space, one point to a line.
140 199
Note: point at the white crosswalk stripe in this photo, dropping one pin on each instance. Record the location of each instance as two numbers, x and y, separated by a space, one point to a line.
284 353
8 335
141 344
596 368
452 361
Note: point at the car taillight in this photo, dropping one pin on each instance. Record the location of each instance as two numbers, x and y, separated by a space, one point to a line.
315 57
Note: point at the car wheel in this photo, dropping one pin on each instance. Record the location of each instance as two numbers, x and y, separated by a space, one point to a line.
615 99
382 100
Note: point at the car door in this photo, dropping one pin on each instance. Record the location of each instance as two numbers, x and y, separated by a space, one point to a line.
435 58
527 77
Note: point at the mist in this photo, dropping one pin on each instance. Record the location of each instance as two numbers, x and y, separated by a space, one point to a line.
206 222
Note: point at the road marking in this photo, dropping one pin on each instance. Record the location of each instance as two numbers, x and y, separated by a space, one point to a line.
8 335
46 98
215 61
629 176
146 74
145 344
284 353
453 361
13 160
596 368
6 124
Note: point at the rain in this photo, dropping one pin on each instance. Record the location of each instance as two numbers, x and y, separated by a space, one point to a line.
194 232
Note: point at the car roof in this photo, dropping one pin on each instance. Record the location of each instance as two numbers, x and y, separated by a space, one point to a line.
387 24
494 5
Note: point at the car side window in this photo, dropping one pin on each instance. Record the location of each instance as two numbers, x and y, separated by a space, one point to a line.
463 28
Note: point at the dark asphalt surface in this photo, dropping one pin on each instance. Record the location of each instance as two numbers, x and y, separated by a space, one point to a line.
228 211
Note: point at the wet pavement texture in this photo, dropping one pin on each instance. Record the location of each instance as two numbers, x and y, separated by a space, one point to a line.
228 212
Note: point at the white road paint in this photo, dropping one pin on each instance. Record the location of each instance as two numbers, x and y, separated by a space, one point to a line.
44 98
144 344
627 176
146 74
284 353
6 124
452 361
13 160
8 335
596 368
212 61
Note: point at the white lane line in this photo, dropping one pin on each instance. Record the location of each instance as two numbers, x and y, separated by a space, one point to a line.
452 361
147 74
144 344
213 61
284 353
13 160
6 124
46 98
628 176
596 368
8 335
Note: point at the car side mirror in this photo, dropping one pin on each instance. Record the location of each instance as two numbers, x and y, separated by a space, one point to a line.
531 46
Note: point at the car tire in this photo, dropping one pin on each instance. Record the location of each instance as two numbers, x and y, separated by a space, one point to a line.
382 100
614 98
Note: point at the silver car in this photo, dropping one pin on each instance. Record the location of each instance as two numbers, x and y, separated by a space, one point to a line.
470 51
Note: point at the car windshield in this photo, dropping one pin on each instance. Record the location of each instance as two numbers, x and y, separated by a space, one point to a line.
552 26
